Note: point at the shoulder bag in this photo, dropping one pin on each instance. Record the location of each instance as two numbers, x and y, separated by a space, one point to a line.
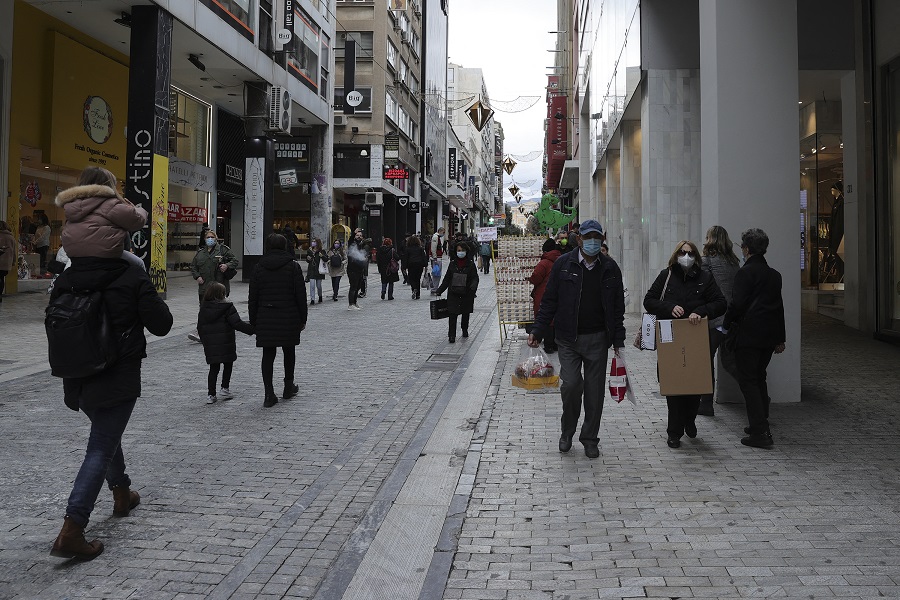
646 334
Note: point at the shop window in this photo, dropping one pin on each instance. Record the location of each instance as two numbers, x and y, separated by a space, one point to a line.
365 41
188 128
303 61
237 13
365 107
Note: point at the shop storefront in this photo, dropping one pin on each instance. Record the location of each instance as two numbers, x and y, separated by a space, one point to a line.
293 183
230 164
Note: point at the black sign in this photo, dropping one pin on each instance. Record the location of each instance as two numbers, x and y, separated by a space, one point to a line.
230 147
392 146
451 171
289 15
402 200
413 206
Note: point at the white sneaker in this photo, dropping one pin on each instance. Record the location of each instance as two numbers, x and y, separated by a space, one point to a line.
225 394
211 399
357 307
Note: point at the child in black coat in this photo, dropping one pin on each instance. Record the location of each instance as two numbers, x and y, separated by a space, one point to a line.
216 323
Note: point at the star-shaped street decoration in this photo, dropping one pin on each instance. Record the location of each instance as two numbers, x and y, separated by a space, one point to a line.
508 165
513 189
479 114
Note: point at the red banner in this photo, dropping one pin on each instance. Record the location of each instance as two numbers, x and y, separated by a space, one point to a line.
186 214
174 212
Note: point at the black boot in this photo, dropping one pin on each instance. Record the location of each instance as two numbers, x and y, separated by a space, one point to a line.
271 398
290 390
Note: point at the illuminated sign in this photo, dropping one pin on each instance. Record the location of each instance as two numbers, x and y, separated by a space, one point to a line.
389 172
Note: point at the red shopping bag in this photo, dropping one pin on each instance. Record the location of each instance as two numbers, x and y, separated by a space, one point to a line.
619 385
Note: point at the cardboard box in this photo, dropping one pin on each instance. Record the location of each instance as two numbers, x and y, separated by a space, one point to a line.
536 383
683 353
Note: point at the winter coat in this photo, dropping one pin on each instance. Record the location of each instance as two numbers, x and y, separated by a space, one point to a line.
416 257
313 258
337 271
10 248
437 245
763 326
358 253
97 221
540 276
723 272
695 291
216 324
277 300
562 297
206 265
459 304
383 260
133 304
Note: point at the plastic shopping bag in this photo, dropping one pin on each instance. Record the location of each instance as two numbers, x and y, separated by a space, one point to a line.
619 382
535 371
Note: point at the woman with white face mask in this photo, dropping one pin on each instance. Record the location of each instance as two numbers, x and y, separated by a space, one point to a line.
684 290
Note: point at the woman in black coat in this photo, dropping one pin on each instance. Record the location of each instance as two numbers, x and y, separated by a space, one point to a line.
109 397
388 262
277 303
416 261
461 280
684 291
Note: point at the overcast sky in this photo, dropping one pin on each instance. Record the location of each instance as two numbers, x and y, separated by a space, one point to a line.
508 40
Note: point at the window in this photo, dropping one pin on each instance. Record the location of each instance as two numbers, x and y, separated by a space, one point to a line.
392 54
324 50
414 43
406 125
364 44
188 128
340 96
266 37
237 13
413 84
390 107
303 60
404 71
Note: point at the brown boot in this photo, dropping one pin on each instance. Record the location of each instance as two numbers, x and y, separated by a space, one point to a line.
124 499
70 543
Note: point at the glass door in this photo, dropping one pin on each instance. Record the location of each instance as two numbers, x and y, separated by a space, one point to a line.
889 221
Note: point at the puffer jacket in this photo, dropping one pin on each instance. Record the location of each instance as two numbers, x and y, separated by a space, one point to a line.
216 324
694 290
10 247
133 304
206 265
277 300
541 275
97 221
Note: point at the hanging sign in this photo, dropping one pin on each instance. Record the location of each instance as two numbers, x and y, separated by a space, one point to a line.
354 98
402 200
413 205
451 171
392 146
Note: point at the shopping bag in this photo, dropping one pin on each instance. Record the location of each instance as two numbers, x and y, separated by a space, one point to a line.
439 309
646 335
426 280
535 371
619 382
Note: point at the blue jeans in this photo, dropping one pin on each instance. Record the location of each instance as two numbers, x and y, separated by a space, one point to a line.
103 459
387 287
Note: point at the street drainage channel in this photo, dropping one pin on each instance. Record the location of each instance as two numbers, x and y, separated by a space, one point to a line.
441 362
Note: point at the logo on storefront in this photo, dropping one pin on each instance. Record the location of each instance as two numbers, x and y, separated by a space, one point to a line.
98 119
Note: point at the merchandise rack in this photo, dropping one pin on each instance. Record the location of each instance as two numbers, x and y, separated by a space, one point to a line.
514 262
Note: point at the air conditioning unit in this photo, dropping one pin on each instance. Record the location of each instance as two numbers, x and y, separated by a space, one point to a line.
279 109
416 150
398 78
374 199
404 37
340 120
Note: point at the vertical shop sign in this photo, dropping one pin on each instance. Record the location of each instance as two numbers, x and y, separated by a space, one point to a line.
146 162
254 205
451 170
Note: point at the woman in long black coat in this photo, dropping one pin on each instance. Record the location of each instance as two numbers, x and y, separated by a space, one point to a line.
461 283
384 256
684 291
416 261
277 303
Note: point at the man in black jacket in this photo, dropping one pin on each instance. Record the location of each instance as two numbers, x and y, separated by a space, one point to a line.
757 308
584 300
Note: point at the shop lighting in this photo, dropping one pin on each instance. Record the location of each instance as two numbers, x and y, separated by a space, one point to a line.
800 102
194 59
842 145
813 150
822 148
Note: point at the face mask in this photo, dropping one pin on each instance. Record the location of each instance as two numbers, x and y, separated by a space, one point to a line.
686 262
313 245
591 247
460 255
563 242
210 242
336 246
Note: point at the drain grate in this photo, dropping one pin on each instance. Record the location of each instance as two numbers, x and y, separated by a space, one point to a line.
441 362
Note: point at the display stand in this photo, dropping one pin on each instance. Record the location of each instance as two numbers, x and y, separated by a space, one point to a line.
514 262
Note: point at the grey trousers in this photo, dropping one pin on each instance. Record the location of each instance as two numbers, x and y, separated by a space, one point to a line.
589 351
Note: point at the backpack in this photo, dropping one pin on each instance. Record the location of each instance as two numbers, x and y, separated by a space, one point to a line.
80 336
335 261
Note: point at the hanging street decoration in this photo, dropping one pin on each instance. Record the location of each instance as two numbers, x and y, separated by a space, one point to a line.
508 165
514 189
479 114
533 155
518 198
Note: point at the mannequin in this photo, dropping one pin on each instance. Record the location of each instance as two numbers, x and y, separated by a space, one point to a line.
836 229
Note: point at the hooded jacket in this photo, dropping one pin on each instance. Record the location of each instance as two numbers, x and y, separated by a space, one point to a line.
133 304
277 300
540 275
216 324
97 221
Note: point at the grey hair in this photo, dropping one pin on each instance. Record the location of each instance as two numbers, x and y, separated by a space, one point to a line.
755 241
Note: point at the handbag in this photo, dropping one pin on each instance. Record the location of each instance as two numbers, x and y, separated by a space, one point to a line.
642 341
323 267
619 383
439 309
458 283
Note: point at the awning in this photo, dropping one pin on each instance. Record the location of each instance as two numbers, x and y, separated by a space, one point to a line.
569 179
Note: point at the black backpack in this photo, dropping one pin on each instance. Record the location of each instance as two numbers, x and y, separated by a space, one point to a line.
335 261
81 339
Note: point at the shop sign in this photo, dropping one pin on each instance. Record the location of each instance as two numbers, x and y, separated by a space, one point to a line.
486 234
374 212
389 172
174 212
234 175
254 206
451 171
402 200
189 175
392 146
413 206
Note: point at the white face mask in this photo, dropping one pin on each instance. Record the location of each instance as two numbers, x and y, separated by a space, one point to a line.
686 262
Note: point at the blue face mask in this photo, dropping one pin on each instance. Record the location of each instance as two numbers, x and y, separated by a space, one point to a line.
591 247
210 242
460 255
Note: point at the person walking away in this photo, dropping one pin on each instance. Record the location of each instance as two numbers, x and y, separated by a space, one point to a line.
337 262
539 277
357 263
485 251
278 313
317 267
216 324
461 280
107 398
401 252
209 265
720 260
388 262
291 238
416 261
684 290
584 302
756 313
8 254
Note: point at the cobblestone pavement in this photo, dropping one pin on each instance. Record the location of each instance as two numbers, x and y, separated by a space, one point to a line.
244 502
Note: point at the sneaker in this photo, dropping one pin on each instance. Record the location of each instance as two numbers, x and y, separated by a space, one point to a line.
225 394
194 337
413 295
211 399
357 307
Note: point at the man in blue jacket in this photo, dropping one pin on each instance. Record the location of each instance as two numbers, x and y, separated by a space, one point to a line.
584 301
